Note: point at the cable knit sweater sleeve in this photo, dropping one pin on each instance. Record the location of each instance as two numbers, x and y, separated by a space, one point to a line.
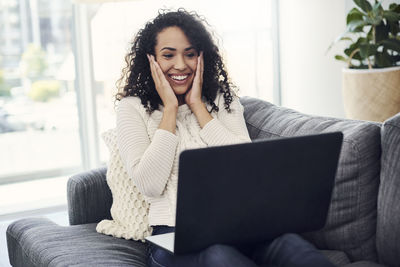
148 162
226 128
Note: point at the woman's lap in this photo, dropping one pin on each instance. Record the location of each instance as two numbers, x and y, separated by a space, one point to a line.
290 250
287 250
216 255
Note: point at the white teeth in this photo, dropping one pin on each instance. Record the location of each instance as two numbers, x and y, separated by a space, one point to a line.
179 78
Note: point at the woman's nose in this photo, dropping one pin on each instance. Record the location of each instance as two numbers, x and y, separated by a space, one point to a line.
180 63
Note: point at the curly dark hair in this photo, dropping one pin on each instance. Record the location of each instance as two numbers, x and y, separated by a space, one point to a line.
136 79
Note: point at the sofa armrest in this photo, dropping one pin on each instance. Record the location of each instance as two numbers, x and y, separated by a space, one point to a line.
89 197
388 230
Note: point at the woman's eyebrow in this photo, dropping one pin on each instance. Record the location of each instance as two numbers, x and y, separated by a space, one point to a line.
174 49
168 48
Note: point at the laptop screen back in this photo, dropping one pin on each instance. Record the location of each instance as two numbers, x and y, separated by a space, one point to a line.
254 192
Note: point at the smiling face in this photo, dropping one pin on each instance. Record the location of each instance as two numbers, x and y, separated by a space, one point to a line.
177 59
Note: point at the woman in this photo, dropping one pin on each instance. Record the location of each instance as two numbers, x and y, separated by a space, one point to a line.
176 95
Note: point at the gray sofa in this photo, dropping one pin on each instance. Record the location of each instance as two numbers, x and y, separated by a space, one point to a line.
363 226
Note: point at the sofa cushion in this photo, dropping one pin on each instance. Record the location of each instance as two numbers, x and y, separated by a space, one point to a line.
339 258
351 221
388 230
40 242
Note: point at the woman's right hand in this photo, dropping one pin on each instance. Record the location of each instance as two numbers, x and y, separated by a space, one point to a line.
163 87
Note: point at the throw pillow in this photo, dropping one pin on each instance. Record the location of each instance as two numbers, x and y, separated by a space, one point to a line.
351 222
129 209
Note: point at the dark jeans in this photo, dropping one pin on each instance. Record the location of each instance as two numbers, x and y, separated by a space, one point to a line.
286 250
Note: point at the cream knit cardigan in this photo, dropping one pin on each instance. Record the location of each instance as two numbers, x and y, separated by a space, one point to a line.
151 155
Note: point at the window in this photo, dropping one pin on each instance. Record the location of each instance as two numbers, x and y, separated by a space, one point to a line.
38 112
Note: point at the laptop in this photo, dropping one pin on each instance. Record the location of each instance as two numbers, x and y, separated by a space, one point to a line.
252 192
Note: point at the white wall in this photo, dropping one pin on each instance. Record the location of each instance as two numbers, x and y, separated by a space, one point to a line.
311 80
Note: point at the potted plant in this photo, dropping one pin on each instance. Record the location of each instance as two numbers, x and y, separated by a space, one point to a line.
371 81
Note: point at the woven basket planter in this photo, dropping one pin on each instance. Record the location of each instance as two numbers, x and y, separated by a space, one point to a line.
372 95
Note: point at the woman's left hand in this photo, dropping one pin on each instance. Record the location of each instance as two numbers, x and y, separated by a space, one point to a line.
193 95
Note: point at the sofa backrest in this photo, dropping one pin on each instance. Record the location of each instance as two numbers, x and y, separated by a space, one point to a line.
351 222
388 228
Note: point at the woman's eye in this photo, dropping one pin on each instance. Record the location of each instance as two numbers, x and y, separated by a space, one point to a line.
168 55
190 55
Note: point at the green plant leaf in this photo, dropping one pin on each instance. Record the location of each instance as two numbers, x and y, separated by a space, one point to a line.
374 20
364 5
377 9
394 27
395 59
370 35
341 58
391 16
364 51
392 44
356 25
354 46
361 40
378 6
345 39
355 56
394 7
367 50
341 37
354 14
382 60
381 32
